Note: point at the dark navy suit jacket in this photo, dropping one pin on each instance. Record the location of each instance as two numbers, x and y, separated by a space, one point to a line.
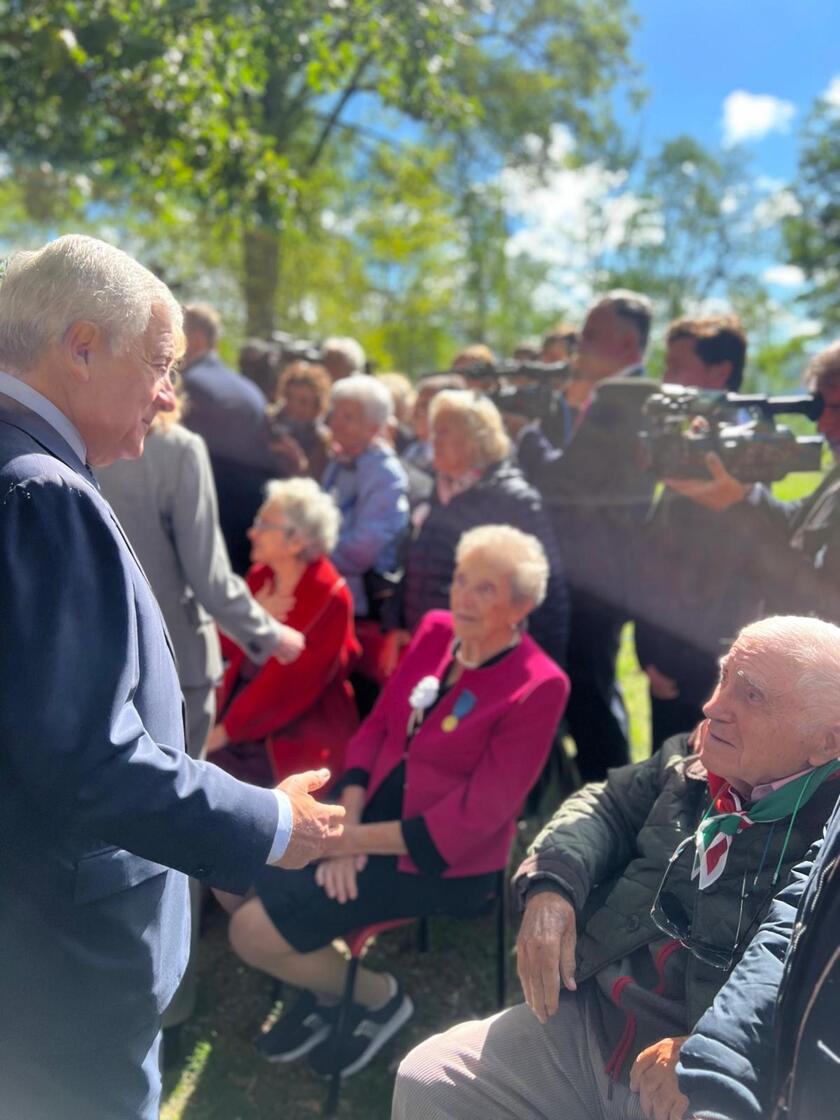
97 796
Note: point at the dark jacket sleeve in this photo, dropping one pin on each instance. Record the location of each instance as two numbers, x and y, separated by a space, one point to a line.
70 722
593 834
726 1066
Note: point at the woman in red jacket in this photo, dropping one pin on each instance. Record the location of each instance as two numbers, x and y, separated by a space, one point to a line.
276 720
434 781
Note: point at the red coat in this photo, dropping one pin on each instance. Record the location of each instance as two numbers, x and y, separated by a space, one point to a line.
305 711
465 784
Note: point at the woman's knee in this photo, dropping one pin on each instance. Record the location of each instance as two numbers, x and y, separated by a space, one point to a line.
252 934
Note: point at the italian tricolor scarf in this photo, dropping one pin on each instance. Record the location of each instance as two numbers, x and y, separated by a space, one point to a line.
728 815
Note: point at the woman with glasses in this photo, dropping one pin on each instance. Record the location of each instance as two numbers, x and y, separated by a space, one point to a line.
276 720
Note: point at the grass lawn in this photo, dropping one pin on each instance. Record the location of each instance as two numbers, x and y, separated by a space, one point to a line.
223 1078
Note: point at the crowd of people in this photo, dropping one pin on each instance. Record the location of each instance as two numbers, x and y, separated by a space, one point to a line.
407 598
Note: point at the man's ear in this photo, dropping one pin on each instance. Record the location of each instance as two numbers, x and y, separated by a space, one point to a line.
828 749
79 342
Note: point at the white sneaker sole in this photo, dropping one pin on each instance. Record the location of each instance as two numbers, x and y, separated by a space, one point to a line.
404 1013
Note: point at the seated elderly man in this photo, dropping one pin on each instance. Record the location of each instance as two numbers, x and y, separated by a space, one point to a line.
642 893
368 484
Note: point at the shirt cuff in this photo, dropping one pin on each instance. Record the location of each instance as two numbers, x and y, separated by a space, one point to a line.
284 827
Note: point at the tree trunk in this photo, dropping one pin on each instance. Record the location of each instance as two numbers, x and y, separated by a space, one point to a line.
260 278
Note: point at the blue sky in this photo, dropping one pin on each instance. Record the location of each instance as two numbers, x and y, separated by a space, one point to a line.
695 53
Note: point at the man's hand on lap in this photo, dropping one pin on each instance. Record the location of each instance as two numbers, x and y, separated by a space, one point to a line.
654 1078
545 951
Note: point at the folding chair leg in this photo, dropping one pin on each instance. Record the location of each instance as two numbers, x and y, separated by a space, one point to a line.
336 1037
501 944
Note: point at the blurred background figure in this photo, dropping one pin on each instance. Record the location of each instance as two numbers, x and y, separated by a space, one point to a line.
343 357
166 503
403 396
276 720
475 355
229 412
259 361
435 778
475 484
419 451
693 586
368 485
299 436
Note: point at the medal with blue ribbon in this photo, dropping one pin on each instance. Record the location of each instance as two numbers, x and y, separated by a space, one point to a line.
463 706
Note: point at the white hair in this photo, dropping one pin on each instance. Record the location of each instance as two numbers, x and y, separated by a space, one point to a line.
350 349
812 649
369 392
72 279
520 553
309 514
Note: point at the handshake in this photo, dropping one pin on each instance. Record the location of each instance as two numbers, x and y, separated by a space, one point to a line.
314 824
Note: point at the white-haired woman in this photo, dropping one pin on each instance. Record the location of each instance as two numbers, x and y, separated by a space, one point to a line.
475 484
367 483
435 779
277 720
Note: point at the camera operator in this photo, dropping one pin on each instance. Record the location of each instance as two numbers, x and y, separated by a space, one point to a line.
560 345
692 589
796 555
599 498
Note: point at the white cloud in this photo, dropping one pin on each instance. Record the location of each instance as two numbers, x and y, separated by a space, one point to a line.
784 275
568 217
751 116
770 211
831 93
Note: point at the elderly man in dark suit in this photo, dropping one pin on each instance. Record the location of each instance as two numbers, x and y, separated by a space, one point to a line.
100 799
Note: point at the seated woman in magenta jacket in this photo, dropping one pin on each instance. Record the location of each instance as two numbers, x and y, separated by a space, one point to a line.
434 781
276 720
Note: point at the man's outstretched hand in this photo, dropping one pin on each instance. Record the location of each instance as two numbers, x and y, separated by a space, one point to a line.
313 823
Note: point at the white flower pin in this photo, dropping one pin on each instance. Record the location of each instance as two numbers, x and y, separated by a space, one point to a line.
424 693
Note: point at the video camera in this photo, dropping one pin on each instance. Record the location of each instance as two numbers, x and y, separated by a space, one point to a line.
296 349
681 425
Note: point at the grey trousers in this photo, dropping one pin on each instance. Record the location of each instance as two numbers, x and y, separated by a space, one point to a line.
511 1067
201 715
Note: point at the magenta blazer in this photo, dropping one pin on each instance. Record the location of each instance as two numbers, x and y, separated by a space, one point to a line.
475 757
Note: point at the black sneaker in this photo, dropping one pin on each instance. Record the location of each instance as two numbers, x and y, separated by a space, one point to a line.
366 1032
304 1026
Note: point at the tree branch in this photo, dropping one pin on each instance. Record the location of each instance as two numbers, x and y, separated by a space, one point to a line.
333 119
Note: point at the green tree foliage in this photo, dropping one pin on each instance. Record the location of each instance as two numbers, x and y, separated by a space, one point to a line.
690 234
230 108
813 236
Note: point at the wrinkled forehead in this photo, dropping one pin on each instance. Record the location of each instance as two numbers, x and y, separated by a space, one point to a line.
763 666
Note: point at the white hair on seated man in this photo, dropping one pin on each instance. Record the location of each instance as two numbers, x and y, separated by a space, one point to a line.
70 280
811 648
351 350
309 514
521 554
374 397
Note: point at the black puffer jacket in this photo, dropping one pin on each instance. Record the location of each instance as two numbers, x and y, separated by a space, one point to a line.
607 848
502 496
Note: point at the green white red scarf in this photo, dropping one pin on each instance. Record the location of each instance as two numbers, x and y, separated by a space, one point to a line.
715 833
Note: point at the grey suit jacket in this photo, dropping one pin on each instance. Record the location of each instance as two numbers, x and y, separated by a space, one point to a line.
166 502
